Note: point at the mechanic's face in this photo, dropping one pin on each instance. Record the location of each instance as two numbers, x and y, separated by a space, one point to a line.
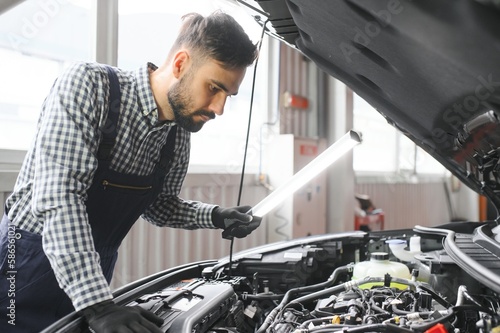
200 94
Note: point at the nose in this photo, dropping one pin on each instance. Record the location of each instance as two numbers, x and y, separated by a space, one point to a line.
217 104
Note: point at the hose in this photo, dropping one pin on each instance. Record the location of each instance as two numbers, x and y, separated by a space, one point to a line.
329 282
325 292
446 317
364 328
349 285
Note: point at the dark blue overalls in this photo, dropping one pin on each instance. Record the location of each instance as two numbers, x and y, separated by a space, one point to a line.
115 201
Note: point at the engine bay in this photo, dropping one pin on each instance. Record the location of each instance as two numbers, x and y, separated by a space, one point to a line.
308 285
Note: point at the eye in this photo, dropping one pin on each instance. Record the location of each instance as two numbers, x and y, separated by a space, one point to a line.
213 88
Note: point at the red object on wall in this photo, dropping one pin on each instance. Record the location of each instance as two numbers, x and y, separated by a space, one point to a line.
295 101
308 150
371 222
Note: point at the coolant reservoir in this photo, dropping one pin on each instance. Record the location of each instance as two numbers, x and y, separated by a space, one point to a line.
378 266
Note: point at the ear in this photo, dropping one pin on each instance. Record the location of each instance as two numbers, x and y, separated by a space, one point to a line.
180 63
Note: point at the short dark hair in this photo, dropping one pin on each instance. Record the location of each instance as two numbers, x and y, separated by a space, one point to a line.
217 36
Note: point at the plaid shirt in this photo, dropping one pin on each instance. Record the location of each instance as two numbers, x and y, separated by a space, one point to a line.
50 193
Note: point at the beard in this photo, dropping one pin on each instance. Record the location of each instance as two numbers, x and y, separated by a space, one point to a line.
178 98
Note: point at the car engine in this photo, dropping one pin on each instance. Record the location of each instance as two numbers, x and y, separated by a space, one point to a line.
309 285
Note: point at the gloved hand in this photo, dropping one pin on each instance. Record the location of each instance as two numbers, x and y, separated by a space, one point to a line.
235 221
107 317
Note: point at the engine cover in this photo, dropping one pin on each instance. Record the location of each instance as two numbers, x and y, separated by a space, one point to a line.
190 306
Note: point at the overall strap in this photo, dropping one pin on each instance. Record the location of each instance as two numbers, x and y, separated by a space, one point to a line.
109 131
166 155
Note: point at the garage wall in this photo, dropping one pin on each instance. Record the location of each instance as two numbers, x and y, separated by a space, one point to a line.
427 203
297 76
10 163
406 205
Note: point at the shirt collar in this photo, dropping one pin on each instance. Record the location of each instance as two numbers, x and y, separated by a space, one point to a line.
144 92
145 95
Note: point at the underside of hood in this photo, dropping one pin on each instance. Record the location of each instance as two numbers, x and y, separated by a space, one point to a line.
430 67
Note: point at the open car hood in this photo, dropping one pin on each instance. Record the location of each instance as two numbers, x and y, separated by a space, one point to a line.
431 68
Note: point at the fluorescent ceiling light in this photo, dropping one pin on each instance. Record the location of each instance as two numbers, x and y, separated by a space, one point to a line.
330 155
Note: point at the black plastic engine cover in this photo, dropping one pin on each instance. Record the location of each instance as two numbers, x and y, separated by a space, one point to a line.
190 306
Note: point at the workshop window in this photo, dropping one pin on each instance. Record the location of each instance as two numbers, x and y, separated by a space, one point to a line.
385 150
37 40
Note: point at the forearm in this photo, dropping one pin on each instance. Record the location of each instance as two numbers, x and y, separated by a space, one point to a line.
174 212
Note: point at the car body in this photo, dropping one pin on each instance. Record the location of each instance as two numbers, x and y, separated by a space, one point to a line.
432 69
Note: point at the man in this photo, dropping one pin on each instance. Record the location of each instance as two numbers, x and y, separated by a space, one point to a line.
112 146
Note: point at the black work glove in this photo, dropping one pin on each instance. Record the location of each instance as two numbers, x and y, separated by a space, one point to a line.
107 317
235 221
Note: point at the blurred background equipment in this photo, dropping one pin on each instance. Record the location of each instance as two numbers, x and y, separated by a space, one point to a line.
367 217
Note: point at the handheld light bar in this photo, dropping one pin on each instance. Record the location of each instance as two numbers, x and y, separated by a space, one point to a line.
304 175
